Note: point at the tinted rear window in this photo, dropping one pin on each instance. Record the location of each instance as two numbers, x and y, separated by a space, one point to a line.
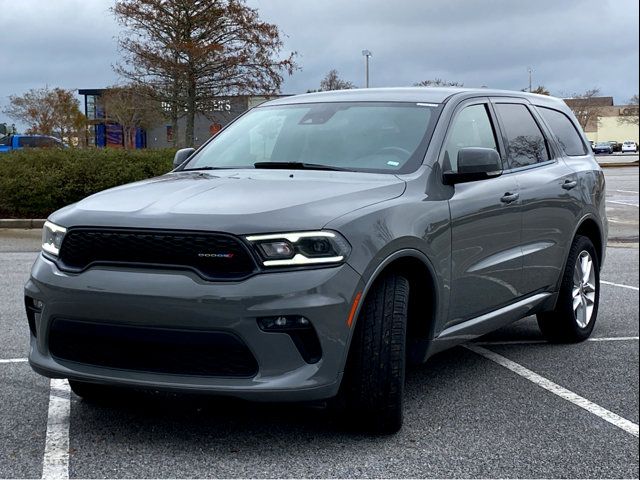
564 131
526 144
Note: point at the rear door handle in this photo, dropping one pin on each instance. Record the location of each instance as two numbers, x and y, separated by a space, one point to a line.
569 184
510 197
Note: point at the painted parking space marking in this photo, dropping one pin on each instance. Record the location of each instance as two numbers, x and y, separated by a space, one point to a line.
540 342
626 191
619 285
606 415
55 464
13 360
623 203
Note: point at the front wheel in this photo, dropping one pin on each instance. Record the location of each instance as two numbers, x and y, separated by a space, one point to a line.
577 307
373 387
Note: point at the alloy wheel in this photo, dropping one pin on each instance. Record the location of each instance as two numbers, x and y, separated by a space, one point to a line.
584 289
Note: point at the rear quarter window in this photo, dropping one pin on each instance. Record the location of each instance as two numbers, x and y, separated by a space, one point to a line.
564 131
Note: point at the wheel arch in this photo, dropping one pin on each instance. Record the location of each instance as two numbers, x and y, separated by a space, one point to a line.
590 228
424 294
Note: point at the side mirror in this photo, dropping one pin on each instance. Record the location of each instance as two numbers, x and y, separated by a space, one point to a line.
475 163
181 156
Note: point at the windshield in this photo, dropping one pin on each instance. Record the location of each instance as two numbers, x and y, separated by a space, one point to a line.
360 136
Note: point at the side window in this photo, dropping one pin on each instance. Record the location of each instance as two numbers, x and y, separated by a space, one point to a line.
564 131
45 142
525 143
5 141
471 128
27 142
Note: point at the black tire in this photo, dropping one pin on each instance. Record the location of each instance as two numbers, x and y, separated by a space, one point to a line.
90 391
373 387
562 325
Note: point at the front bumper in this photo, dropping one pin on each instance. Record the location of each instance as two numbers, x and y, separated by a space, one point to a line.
182 300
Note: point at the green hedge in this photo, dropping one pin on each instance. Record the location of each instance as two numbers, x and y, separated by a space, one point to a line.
34 183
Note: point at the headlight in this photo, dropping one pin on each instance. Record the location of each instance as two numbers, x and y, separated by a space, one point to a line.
52 236
300 248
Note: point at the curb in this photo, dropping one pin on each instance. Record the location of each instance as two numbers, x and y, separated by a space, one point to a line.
22 222
618 164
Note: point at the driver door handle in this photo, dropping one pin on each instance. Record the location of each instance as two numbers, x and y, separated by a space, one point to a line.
569 184
510 197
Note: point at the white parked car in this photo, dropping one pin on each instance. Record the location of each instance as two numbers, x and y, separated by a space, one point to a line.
629 146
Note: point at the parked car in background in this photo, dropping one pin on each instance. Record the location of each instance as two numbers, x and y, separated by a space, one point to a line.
18 142
629 146
615 146
603 147
371 228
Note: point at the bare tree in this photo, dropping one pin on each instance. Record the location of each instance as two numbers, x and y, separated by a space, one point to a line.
131 107
540 90
585 107
192 51
438 82
332 81
630 113
48 112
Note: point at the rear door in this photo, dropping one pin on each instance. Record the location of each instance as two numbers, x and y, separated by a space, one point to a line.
485 222
544 180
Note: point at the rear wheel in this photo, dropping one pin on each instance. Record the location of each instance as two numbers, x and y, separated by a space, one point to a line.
373 388
577 307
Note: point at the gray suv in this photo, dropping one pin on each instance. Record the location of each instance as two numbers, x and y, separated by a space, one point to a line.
319 243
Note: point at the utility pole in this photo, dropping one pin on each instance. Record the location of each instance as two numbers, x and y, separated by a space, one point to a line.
530 70
366 54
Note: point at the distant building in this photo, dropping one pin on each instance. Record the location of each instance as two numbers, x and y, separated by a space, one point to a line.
224 110
605 125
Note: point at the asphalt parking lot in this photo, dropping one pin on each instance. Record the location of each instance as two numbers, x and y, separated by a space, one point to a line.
511 406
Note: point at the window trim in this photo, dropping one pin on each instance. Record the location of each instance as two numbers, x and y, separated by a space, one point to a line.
550 144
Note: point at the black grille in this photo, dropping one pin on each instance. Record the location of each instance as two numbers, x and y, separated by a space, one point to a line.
150 349
214 256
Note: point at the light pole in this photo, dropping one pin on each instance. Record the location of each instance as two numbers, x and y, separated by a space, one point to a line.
530 70
366 54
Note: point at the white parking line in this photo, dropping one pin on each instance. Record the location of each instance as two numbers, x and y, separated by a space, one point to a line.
55 464
623 203
619 285
622 423
13 360
612 339
539 342
626 191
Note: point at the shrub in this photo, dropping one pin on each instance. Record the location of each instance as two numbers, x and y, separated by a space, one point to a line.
34 183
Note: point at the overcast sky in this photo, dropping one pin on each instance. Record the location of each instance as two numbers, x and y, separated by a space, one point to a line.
571 45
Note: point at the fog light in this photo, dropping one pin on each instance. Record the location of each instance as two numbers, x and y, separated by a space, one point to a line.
301 332
38 304
283 322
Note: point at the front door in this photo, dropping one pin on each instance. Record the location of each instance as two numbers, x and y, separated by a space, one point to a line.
486 223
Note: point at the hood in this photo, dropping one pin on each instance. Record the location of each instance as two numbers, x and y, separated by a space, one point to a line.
234 201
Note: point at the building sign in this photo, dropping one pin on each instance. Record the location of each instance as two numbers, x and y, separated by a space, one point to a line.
221 106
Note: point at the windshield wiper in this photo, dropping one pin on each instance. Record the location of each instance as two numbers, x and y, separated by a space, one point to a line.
298 166
202 168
